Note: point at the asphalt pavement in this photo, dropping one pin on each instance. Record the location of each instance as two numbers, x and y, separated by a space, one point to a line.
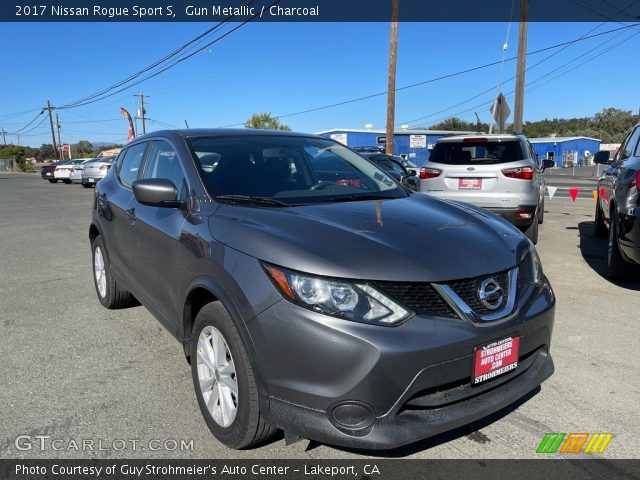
74 372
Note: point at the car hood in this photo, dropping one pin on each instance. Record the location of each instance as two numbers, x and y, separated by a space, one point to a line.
418 238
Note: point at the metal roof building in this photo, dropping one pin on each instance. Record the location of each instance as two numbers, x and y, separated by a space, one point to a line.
415 144
566 151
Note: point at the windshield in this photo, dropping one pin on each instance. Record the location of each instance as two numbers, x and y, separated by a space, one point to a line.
292 170
477 152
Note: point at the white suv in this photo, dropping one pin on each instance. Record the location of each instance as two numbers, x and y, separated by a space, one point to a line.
498 172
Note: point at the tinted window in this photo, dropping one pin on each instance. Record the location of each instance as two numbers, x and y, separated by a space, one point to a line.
477 153
630 147
130 165
162 162
290 168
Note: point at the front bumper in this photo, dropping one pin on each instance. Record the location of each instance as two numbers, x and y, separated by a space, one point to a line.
407 382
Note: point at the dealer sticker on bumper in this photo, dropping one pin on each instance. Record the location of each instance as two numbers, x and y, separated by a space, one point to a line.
495 359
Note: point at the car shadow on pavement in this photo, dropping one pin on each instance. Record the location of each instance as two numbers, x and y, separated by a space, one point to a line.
594 252
471 431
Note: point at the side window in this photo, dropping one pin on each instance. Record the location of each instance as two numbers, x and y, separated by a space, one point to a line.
129 166
163 162
629 146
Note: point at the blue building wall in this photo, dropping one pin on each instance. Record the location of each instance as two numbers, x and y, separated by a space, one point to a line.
562 147
401 144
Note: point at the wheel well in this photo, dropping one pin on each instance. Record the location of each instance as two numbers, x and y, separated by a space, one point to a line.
197 298
93 233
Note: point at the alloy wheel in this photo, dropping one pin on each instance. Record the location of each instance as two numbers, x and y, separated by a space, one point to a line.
99 272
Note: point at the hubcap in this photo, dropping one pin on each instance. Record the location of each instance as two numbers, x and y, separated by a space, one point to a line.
217 376
99 272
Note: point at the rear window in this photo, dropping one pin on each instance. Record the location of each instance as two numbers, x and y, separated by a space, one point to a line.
477 153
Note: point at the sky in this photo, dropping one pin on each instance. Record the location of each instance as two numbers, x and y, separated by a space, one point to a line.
285 68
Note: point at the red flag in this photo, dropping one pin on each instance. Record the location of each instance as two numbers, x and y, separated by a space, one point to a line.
131 133
574 194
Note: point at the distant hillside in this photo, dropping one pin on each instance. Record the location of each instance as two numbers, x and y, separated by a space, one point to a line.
610 125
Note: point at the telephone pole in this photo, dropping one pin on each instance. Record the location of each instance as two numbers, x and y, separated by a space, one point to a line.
53 135
391 87
59 141
4 138
142 112
522 63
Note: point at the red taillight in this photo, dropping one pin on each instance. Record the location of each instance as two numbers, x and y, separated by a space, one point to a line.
522 173
636 181
104 167
71 170
475 140
426 173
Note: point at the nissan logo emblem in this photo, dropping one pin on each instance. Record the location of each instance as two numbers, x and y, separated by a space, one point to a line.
490 294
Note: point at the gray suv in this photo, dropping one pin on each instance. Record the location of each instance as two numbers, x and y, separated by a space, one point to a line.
285 264
497 172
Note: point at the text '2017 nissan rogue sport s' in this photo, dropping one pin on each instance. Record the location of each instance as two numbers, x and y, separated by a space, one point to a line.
298 296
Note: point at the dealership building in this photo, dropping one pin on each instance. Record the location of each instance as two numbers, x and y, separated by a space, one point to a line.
414 144
566 151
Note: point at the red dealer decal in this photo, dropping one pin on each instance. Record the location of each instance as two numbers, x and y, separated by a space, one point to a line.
495 359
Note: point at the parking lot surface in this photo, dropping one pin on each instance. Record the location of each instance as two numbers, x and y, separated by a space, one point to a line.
73 371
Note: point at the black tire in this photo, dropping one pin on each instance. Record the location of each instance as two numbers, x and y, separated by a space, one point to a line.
67 182
248 428
600 228
617 268
51 180
531 232
86 185
114 296
541 214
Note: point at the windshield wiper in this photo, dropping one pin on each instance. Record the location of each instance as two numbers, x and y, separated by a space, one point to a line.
251 200
357 196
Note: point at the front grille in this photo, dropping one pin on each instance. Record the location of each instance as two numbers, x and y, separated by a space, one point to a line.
419 297
468 289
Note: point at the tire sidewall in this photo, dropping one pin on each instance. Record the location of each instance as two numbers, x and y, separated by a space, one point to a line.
98 243
216 316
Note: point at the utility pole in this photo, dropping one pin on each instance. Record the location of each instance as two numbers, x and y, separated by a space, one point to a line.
4 137
59 141
53 135
391 88
522 63
142 111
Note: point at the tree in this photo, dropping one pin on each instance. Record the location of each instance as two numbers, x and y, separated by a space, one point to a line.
83 148
47 151
265 121
16 153
456 124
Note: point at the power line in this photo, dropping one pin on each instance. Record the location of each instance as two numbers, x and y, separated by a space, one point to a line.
442 77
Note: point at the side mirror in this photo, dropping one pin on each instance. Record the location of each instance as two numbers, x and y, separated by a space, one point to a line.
156 192
412 173
548 163
602 157
411 183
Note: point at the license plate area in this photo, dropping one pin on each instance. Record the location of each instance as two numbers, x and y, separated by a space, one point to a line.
469 184
494 359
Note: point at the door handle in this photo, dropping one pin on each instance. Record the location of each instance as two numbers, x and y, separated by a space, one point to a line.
131 213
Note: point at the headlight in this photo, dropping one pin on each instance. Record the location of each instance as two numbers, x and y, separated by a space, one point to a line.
536 265
352 301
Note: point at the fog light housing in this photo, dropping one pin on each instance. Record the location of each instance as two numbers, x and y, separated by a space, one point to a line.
355 418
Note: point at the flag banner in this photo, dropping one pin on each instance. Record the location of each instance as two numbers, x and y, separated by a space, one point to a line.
574 193
551 191
131 134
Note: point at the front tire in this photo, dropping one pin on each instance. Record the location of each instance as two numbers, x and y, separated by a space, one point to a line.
617 268
110 294
86 185
224 381
531 232
541 214
67 182
600 228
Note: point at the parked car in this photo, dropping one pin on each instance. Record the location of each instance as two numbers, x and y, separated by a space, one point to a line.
96 170
76 175
47 171
618 207
394 167
300 302
64 170
499 172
